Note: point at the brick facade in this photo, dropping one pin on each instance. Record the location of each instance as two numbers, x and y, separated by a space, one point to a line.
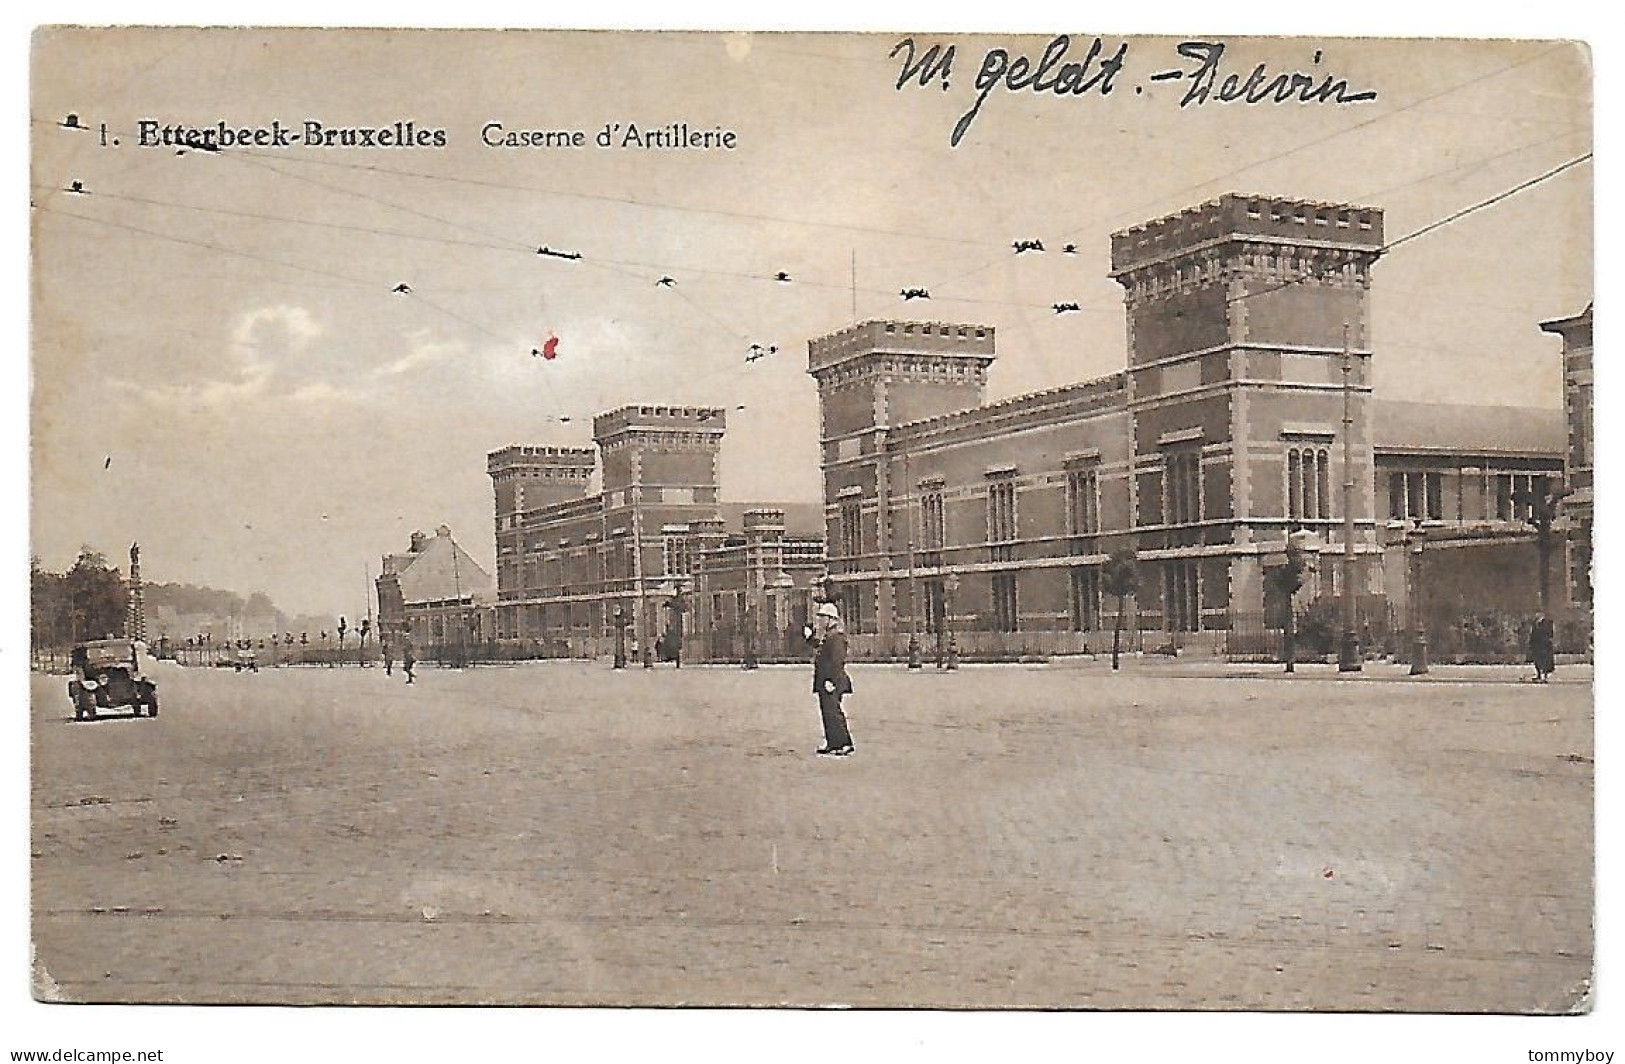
1248 332
651 550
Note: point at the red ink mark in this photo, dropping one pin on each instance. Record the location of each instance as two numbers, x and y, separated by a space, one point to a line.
1326 874
550 350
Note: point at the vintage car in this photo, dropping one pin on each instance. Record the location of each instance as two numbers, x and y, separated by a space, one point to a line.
107 675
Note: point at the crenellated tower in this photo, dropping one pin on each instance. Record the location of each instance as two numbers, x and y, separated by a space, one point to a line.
1239 312
872 376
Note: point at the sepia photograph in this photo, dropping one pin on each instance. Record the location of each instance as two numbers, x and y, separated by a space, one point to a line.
906 520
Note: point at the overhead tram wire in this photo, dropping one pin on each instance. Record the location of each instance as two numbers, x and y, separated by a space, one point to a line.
465 227
1491 201
221 249
288 220
1433 226
629 201
206 245
516 246
509 244
1276 157
236 152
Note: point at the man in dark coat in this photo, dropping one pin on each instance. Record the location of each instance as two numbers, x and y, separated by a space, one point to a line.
830 681
1542 645
408 659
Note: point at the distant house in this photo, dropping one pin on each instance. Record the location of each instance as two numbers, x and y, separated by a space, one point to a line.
435 593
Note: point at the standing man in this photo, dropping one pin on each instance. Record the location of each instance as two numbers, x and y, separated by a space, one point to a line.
408 659
1542 647
389 656
830 681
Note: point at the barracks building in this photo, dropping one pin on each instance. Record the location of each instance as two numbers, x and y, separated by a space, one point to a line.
1245 405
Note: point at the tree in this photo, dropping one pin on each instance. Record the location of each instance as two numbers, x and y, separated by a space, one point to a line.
97 597
1121 579
1287 579
49 599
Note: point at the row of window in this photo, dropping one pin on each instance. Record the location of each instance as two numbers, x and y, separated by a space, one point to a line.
1082 514
1181 599
1420 496
603 564
1308 484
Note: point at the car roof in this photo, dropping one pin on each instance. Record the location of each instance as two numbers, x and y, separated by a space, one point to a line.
108 650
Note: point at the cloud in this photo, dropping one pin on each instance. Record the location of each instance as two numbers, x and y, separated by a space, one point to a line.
323 392
295 324
200 392
266 343
423 352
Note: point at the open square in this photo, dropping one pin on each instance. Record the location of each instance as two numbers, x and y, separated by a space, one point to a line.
1005 836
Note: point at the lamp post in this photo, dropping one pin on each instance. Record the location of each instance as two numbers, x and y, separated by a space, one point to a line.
779 585
950 587
620 638
1415 540
1348 649
940 620
913 585
674 590
752 620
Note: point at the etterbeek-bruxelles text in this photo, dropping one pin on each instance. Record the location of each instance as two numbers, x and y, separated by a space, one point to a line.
311 133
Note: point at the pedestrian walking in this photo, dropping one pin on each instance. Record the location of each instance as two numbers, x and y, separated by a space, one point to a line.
830 681
1542 647
389 657
408 659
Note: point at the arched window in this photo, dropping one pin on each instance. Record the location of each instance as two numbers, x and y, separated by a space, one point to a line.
1294 484
1309 484
1325 474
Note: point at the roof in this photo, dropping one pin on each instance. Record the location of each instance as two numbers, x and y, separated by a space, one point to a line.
1581 320
800 518
441 571
1468 429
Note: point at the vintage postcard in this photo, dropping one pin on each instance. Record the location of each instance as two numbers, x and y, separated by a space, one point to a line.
887 520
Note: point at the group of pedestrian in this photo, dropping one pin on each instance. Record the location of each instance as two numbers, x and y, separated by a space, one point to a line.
408 659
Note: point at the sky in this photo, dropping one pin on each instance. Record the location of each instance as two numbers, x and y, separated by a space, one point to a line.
223 370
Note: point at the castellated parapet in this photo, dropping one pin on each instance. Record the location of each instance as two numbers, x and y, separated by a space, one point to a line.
899 338
559 462
1234 216
764 524
707 420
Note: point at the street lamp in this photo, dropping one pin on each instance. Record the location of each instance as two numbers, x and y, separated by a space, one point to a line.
674 590
1348 647
620 637
939 615
913 585
950 587
1415 538
780 584
752 620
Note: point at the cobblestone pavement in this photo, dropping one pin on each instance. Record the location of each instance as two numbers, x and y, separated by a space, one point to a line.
1004 836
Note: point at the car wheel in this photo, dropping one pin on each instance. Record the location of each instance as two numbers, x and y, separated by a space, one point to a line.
152 705
86 709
